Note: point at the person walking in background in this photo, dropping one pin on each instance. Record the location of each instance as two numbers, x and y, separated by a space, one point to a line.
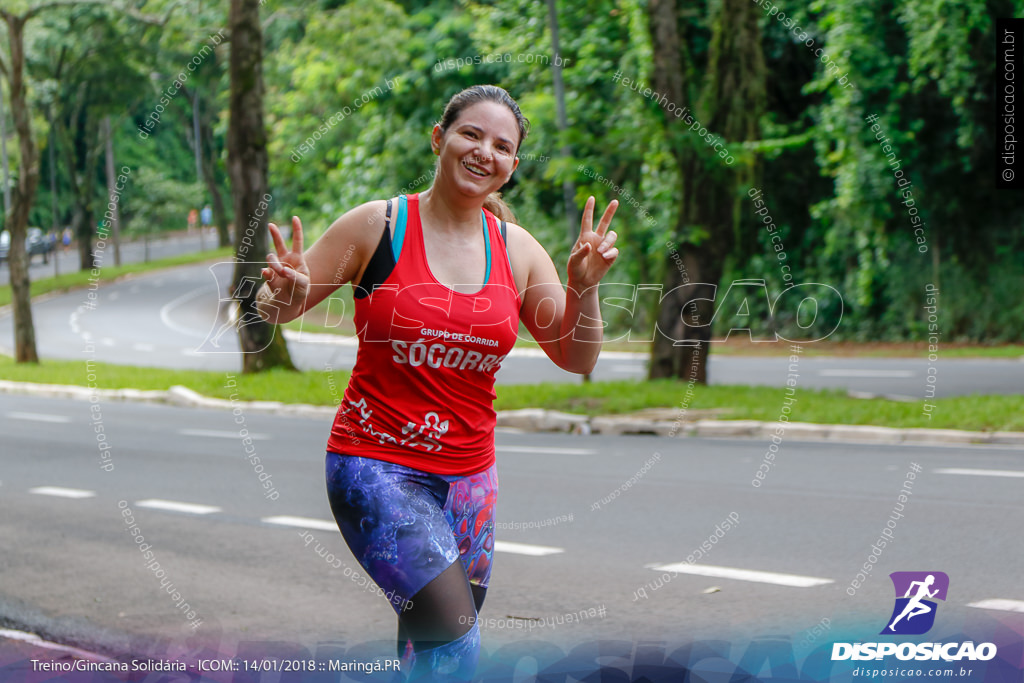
206 216
441 280
193 216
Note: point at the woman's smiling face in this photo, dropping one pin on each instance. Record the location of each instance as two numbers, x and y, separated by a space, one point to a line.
478 151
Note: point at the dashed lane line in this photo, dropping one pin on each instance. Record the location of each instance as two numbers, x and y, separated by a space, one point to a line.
221 434
280 520
62 492
301 522
499 546
839 372
1001 604
979 473
39 417
545 449
793 580
526 549
779 579
176 506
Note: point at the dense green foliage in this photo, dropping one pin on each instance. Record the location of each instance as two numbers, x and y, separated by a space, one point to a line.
353 89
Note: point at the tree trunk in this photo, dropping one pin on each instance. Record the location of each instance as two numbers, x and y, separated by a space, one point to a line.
54 213
208 163
262 347
82 184
80 155
112 203
683 340
220 217
23 195
729 104
6 177
568 186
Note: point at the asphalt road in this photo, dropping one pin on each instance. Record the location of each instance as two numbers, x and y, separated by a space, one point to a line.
172 319
131 252
600 514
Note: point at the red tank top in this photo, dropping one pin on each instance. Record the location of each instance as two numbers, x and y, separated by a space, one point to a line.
422 389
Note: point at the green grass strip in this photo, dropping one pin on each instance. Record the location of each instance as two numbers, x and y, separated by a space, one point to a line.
976 412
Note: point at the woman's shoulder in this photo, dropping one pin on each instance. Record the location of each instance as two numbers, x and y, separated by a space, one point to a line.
526 254
355 233
372 211
362 222
520 239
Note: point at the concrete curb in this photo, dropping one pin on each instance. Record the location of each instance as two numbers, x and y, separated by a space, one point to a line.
540 420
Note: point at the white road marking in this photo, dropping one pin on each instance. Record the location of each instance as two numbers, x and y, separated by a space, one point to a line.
175 506
526 549
1000 604
979 473
890 397
531 352
324 525
865 373
39 417
36 641
539 449
143 347
221 434
301 522
743 574
107 341
62 492
165 311
318 337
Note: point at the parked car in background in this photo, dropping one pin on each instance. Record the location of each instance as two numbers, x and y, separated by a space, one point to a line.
36 242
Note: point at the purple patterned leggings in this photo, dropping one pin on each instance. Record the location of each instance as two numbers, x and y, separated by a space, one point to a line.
405 526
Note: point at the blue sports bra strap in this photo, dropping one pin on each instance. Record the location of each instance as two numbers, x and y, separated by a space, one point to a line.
487 246
396 242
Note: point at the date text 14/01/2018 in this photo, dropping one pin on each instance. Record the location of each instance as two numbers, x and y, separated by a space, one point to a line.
286 665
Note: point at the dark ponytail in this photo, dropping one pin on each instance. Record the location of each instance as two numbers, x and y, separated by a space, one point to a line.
487 93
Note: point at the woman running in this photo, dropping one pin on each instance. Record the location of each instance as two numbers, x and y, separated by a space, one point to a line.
440 280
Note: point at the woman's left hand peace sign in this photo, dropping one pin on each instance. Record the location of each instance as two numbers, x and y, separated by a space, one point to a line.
594 252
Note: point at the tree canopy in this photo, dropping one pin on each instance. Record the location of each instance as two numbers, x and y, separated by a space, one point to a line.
861 135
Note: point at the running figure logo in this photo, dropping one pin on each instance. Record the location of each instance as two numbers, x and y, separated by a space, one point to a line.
914 613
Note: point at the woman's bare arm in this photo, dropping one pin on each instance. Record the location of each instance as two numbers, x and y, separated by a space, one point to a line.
297 281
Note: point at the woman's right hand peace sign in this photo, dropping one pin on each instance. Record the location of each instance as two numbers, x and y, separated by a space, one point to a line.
286 271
